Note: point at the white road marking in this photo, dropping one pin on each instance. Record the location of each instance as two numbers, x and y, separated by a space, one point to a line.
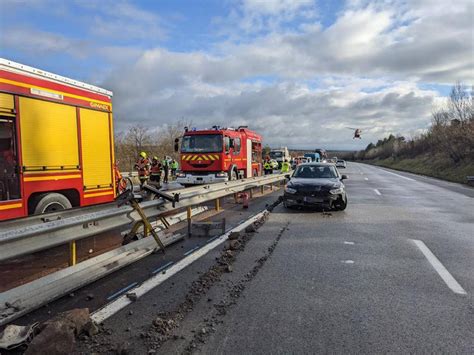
377 192
366 179
349 243
121 302
403 177
440 269
348 261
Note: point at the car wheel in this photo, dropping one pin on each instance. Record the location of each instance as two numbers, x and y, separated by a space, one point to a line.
51 202
233 175
340 204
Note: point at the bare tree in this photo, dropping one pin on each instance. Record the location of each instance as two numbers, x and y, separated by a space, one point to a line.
164 140
460 104
139 137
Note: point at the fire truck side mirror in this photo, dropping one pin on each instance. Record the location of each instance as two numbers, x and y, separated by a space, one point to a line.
176 144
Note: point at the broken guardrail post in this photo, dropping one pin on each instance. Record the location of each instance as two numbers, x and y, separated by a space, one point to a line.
128 197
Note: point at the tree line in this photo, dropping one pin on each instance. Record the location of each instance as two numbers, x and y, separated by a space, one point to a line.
140 138
451 133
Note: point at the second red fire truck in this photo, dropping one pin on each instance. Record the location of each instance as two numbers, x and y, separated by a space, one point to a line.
219 155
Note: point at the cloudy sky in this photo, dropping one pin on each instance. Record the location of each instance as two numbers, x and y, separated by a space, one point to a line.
297 71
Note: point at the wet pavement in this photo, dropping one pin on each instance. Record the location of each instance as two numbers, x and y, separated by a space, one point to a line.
312 282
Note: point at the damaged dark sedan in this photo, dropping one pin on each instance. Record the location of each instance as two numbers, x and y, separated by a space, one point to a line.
318 185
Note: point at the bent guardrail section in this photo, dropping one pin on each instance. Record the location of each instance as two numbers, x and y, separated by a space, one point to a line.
20 237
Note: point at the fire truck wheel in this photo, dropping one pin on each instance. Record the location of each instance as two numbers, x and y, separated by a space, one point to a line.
51 202
233 175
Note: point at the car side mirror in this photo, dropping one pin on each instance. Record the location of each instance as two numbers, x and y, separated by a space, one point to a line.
288 176
343 177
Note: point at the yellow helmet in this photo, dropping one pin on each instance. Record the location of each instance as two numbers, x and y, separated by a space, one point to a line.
155 158
143 154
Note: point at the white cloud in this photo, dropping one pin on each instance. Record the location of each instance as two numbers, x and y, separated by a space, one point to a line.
43 43
299 85
362 71
264 16
124 21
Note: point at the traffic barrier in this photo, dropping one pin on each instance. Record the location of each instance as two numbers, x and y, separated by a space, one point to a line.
36 233
25 298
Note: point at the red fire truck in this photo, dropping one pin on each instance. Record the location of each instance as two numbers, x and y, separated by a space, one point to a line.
56 142
219 155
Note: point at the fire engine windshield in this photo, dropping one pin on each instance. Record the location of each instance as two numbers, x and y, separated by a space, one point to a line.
276 154
205 143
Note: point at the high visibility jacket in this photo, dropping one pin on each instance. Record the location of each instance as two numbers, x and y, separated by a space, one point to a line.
174 165
285 167
267 166
165 163
143 166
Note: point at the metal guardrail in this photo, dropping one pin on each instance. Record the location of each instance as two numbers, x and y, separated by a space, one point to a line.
25 298
38 233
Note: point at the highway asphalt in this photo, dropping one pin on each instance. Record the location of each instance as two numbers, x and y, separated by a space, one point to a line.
393 273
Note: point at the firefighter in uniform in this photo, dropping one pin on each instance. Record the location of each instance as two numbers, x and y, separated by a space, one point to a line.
267 166
143 167
285 167
155 170
166 169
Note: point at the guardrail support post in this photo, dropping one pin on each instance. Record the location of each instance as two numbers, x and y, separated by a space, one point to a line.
262 189
165 222
217 203
72 253
188 210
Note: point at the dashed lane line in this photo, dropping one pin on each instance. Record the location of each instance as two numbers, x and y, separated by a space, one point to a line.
439 268
377 192
403 177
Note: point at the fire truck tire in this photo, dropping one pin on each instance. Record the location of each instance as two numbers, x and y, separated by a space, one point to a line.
51 202
233 175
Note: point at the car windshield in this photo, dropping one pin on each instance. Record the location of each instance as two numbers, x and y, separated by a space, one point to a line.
315 172
276 155
203 143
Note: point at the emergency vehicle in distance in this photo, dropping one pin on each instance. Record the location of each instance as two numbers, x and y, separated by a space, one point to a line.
56 142
280 155
219 155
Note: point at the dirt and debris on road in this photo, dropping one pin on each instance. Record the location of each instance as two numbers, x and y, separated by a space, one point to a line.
55 336
171 326
163 330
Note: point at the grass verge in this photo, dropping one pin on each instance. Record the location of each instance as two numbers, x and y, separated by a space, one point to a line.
438 167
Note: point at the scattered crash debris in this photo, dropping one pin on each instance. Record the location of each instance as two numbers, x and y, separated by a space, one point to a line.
207 229
17 337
